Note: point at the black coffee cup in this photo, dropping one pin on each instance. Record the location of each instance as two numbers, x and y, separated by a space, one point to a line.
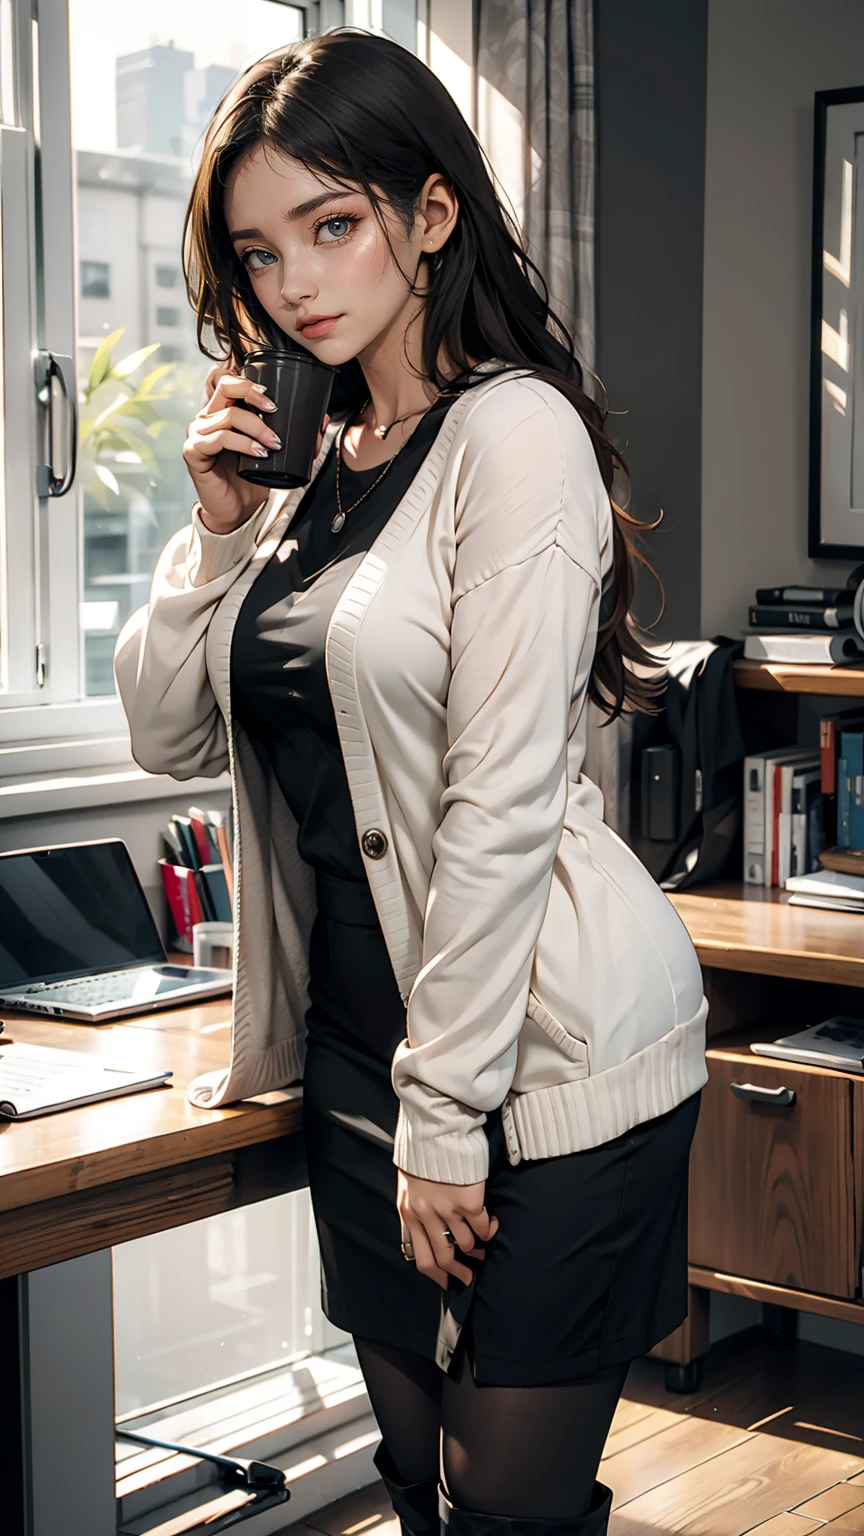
299 387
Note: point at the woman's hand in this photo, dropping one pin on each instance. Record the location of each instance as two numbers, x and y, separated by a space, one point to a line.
224 428
427 1209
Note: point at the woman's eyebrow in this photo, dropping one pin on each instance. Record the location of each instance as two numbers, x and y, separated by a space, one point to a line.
302 211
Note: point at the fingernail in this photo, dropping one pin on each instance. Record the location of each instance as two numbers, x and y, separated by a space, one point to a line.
261 388
273 440
260 453
268 405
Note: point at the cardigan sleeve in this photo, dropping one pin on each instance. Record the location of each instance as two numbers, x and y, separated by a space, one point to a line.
521 648
175 724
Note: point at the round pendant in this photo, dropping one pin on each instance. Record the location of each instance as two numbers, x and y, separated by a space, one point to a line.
338 523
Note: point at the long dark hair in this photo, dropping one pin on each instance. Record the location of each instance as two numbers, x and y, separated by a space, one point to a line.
363 112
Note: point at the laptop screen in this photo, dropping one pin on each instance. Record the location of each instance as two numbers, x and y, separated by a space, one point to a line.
73 911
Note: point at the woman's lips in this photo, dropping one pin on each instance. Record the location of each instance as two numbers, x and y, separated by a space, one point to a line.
311 329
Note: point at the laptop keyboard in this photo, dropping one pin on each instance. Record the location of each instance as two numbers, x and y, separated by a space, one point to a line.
89 990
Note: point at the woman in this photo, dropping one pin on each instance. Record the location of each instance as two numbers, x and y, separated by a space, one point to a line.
501 1015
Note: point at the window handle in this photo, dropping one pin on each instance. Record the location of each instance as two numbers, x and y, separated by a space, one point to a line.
785 1097
50 366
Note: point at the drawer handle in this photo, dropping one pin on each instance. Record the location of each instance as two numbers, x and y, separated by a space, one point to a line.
757 1095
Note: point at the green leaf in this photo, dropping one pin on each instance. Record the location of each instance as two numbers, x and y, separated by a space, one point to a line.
150 381
128 364
108 479
101 364
109 411
138 410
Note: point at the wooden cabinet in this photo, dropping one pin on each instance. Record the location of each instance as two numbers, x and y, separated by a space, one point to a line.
776 1176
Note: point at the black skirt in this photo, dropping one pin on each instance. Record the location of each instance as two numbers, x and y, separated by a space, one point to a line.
589 1266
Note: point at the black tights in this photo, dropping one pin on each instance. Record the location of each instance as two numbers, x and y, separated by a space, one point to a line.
531 1452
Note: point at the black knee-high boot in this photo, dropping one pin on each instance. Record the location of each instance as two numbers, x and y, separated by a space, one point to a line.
416 1504
468 1522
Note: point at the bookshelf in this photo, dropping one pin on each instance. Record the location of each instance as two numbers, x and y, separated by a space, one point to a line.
776 1194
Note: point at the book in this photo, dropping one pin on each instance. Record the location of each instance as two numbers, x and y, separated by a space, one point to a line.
181 826
816 833
39 1079
778 800
830 727
758 770
225 856
843 807
183 901
805 790
827 887
846 861
828 903
841 650
852 750
205 844
212 876
825 595
803 616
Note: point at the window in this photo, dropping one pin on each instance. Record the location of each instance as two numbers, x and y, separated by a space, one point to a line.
122 97
95 280
126 93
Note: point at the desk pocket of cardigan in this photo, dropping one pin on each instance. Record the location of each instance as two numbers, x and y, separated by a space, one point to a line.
547 1052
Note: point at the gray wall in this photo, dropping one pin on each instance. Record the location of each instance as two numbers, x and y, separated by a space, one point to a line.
766 58
650 173
138 823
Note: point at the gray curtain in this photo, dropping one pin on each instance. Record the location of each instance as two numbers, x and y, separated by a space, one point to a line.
534 86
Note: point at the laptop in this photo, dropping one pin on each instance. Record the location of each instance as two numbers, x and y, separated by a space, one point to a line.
78 940
836 1042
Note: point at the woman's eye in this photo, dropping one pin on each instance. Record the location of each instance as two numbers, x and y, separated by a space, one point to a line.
335 229
257 260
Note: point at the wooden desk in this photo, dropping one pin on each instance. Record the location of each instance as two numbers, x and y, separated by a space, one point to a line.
74 1184
88 1178
737 927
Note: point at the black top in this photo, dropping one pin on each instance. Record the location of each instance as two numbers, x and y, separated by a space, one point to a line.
279 689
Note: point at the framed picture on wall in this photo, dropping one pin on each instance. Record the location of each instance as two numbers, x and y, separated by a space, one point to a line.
837 328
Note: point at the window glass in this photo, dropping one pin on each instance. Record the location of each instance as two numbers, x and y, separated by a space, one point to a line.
95 280
218 1299
145 82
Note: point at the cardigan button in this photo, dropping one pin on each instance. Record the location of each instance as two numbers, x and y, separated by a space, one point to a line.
374 843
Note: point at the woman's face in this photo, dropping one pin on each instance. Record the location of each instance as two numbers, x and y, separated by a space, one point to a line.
318 259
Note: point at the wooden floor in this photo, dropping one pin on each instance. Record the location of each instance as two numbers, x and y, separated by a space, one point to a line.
772 1443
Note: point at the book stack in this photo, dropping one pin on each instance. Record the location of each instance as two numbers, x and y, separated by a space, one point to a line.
197 873
804 624
784 814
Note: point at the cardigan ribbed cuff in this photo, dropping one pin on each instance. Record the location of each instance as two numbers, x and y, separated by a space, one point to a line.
214 554
446 1157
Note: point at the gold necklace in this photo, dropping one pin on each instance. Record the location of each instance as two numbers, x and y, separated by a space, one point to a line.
338 520
397 421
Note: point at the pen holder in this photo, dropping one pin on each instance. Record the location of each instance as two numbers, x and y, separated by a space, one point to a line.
213 945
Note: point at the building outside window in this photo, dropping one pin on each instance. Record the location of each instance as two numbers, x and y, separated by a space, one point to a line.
167 277
95 280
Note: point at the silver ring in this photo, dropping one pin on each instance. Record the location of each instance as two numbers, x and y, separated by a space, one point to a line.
449 1236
